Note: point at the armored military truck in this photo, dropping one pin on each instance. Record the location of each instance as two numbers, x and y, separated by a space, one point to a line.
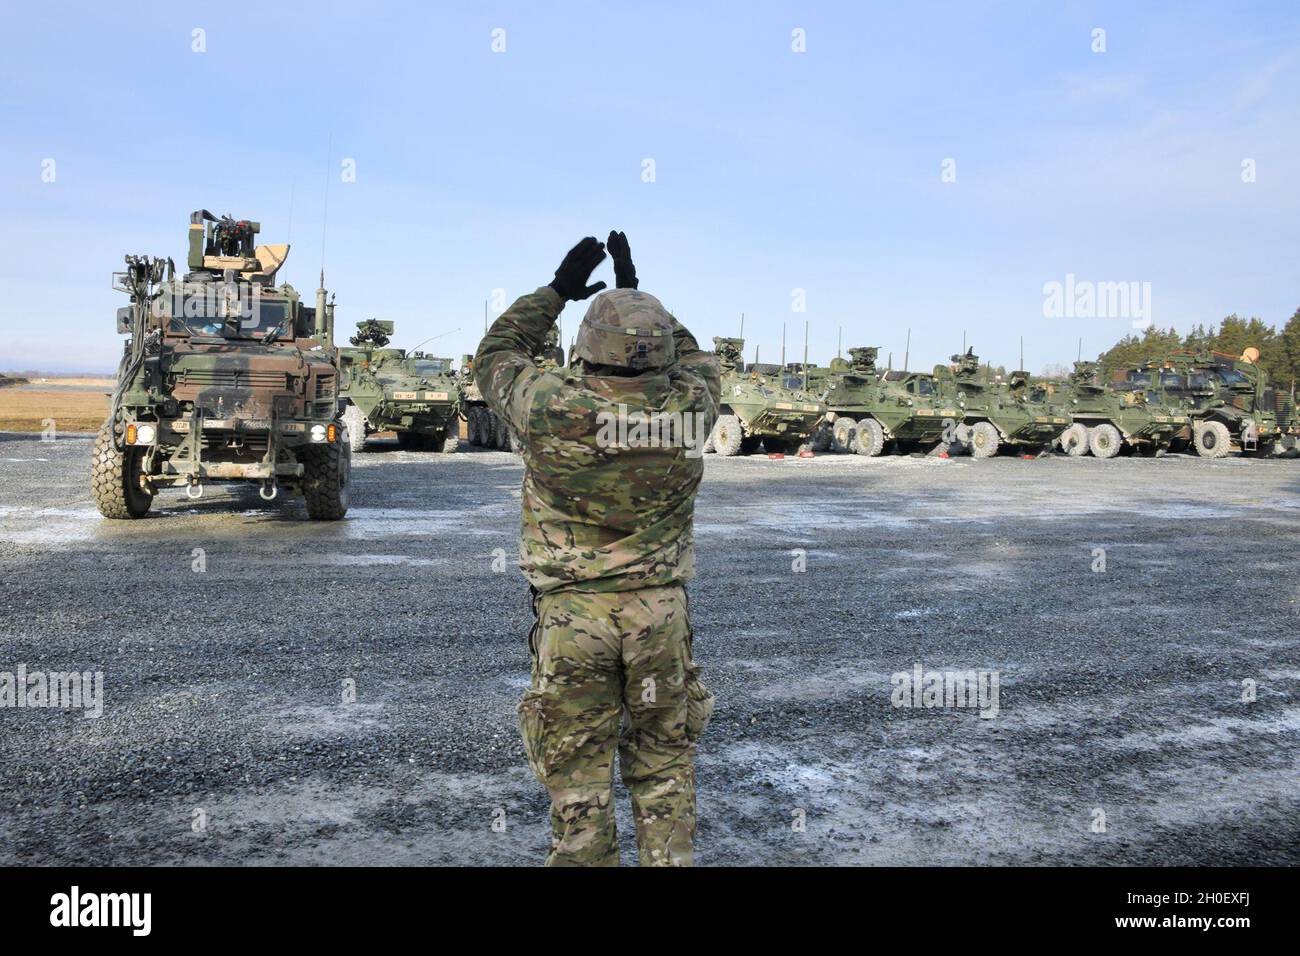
872 411
759 407
995 415
1229 401
224 377
1107 420
482 426
388 389
811 379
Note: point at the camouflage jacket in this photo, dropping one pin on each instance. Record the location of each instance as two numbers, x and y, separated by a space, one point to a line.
599 515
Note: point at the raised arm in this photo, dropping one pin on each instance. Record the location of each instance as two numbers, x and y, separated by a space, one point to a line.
503 367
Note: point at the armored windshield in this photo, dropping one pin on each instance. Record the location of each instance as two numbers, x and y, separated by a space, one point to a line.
238 314
1230 376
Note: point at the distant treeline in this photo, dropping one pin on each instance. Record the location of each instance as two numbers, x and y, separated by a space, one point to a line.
1279 351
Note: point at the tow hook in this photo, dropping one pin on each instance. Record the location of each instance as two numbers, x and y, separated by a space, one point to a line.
194 490
271 487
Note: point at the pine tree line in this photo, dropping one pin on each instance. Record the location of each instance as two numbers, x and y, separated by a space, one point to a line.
1279 352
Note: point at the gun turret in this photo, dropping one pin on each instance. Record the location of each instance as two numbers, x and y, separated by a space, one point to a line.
372 333
968 365
863 358
226 243
729 350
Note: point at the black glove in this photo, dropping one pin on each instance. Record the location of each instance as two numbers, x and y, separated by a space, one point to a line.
624 271
570 280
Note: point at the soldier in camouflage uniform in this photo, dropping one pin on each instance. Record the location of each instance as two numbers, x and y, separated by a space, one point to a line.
606 545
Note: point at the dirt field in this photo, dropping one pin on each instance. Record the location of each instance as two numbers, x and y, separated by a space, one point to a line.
75 404
1140 615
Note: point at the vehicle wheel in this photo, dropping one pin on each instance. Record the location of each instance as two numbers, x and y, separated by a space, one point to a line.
727 435
355 423
842 434
1074 440
869 439
1104 440
822 439
115 478
327 480
502 433
984 440
1212 440
471 426
708 445
450 441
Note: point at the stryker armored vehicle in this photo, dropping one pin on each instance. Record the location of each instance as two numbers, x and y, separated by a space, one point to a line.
811 379
482 427
1107 419
871 410
225 377
759 408
997 414
1229 400
388 389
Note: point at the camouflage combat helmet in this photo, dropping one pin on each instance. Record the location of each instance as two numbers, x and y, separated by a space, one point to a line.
626 328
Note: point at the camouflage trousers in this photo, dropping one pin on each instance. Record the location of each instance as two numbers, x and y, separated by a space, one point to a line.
601 662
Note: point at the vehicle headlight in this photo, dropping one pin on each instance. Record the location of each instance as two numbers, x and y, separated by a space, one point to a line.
318 433
140 434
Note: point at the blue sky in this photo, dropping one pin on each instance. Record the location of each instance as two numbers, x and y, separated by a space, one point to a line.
774 170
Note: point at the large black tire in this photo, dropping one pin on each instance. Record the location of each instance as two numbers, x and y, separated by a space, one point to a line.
471 426
1213 440
1074 440
985 440
355 423
502 433
728 435
449 442
115 478
842 434
869 438
327 480
1104 440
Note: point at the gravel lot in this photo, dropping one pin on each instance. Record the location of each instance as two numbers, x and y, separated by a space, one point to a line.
1120 692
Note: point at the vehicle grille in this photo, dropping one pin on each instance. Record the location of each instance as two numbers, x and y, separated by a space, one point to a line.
1283 406
235 378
